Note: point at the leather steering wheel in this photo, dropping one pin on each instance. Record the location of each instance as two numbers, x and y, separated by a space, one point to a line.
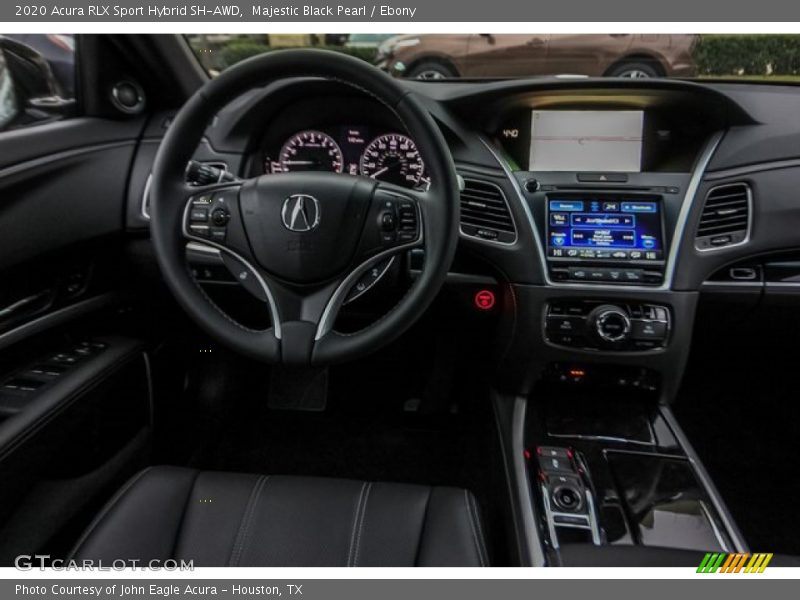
300 241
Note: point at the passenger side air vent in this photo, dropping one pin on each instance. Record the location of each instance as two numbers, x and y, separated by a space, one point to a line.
485 214
726 217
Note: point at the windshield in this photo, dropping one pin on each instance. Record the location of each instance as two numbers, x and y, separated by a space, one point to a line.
765 58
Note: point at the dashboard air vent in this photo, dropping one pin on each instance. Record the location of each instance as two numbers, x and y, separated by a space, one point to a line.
485 213
726 217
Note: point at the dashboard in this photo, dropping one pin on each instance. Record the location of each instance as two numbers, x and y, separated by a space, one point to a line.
602 208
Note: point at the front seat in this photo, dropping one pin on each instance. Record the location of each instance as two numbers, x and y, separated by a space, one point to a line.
231 519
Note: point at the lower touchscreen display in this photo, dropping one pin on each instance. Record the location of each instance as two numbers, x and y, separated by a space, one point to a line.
604 228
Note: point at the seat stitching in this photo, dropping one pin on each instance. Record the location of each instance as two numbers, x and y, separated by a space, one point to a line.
244 527
355 524
422 527
183 515
472 528
361 523
481 537
107 509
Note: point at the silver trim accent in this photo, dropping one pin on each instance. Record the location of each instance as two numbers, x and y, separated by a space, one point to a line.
202 248
751 169
717 533
551 527
749 217
464 180
590 517
273 307
145 210
680 225
600 438
596 539
523 484
601 321
781 284
749 284
337 298
705 479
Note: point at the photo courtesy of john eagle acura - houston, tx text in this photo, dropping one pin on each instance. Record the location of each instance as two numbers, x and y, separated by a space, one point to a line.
396 300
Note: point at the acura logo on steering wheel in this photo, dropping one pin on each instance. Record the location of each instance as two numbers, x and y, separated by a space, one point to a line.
300 213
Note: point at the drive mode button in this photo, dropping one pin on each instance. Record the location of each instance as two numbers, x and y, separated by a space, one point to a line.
649 330
566 325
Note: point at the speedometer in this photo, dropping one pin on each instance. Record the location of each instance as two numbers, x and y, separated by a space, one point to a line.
311 151
393 158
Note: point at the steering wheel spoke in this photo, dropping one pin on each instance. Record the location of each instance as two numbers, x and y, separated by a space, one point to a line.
212 217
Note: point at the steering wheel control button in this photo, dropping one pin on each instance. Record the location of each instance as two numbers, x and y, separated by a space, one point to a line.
388 221
408 228
220 217
398 221
199 215
209 215
368 279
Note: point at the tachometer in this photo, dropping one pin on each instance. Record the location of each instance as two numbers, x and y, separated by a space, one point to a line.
393 158
311 151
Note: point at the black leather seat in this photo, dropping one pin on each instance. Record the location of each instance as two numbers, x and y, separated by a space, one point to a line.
229 519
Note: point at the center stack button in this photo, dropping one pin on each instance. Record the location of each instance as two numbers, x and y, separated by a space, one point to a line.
610 323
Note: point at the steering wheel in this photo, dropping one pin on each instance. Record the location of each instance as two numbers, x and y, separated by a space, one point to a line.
300 241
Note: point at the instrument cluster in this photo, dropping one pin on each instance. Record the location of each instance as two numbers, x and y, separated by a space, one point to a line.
354 150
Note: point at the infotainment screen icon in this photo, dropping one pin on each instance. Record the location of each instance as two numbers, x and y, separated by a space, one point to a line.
605 228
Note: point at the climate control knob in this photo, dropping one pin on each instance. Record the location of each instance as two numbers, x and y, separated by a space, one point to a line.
611 323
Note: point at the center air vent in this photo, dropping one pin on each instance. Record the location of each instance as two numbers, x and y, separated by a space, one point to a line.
726 217
485 214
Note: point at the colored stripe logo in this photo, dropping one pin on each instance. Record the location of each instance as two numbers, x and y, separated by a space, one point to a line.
721 562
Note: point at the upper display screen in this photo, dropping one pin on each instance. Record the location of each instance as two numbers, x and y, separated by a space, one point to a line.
586 140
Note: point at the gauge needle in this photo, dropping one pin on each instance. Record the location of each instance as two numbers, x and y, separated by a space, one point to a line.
300 162
379 172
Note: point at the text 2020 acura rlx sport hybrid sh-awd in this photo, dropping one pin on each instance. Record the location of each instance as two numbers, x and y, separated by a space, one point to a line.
287 310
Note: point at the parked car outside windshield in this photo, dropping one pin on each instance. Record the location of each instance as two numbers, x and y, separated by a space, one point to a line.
753 57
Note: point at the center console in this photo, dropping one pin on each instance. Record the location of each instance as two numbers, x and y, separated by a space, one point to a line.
609 325
615 472
607 183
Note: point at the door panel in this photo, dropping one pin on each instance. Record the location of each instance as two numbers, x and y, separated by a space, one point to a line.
62 184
